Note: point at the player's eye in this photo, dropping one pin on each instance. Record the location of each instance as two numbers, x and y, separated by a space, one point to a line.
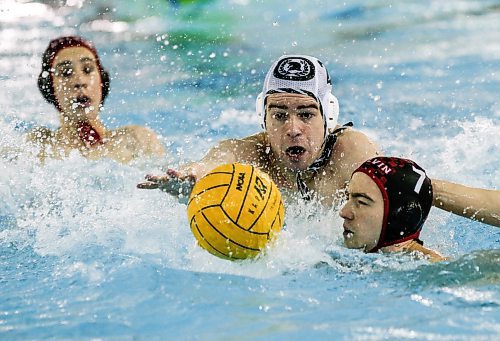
362 202
306 115
64 72
280 116
87 69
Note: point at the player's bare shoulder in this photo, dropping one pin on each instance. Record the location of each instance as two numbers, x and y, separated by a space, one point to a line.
41 135
245 150
357 143
352 149
139 139
132 132
49 143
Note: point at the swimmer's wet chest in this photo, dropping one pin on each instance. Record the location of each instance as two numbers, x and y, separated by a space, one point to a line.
118 146
121 145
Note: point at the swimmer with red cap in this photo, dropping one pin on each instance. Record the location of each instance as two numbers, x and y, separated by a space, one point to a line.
388 203
74 81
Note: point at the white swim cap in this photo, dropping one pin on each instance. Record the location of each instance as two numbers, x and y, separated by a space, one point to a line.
303 75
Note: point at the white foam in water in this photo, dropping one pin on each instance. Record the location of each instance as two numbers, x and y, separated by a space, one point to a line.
460 153
235 117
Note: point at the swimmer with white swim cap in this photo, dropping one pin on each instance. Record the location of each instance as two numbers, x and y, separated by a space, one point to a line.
74 81
302 147
306 152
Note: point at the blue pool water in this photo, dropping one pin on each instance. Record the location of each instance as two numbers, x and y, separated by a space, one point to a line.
85 255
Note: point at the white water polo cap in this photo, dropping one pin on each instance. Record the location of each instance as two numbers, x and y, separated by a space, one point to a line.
301 75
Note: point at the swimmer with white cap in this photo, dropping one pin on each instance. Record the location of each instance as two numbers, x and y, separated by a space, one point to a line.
302 147
305 151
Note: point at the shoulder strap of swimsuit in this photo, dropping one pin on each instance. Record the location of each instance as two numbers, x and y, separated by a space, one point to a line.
321 161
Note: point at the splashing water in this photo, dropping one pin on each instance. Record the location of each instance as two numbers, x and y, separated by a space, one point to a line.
84 254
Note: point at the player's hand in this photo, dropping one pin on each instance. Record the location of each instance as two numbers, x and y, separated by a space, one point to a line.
173 182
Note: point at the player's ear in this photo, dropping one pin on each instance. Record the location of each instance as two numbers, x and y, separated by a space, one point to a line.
105 84
46 87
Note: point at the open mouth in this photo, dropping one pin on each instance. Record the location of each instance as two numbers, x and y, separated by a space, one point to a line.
348 233
295 151
82 101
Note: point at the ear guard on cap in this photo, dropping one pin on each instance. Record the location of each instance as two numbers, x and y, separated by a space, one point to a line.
404 218
330 114
261 111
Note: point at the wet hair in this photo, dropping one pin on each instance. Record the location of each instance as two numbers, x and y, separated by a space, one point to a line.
45 79
407 195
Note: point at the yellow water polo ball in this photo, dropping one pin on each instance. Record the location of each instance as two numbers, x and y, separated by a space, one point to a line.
235 211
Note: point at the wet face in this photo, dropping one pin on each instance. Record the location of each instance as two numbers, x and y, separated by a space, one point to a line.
363 213
77 83
295 128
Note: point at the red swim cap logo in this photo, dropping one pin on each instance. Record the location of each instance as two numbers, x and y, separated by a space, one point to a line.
382 166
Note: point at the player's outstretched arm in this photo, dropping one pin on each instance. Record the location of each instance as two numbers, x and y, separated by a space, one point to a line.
173 183
179 183
474 203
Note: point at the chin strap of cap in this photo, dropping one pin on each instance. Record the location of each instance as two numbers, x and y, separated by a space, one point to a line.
320 162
